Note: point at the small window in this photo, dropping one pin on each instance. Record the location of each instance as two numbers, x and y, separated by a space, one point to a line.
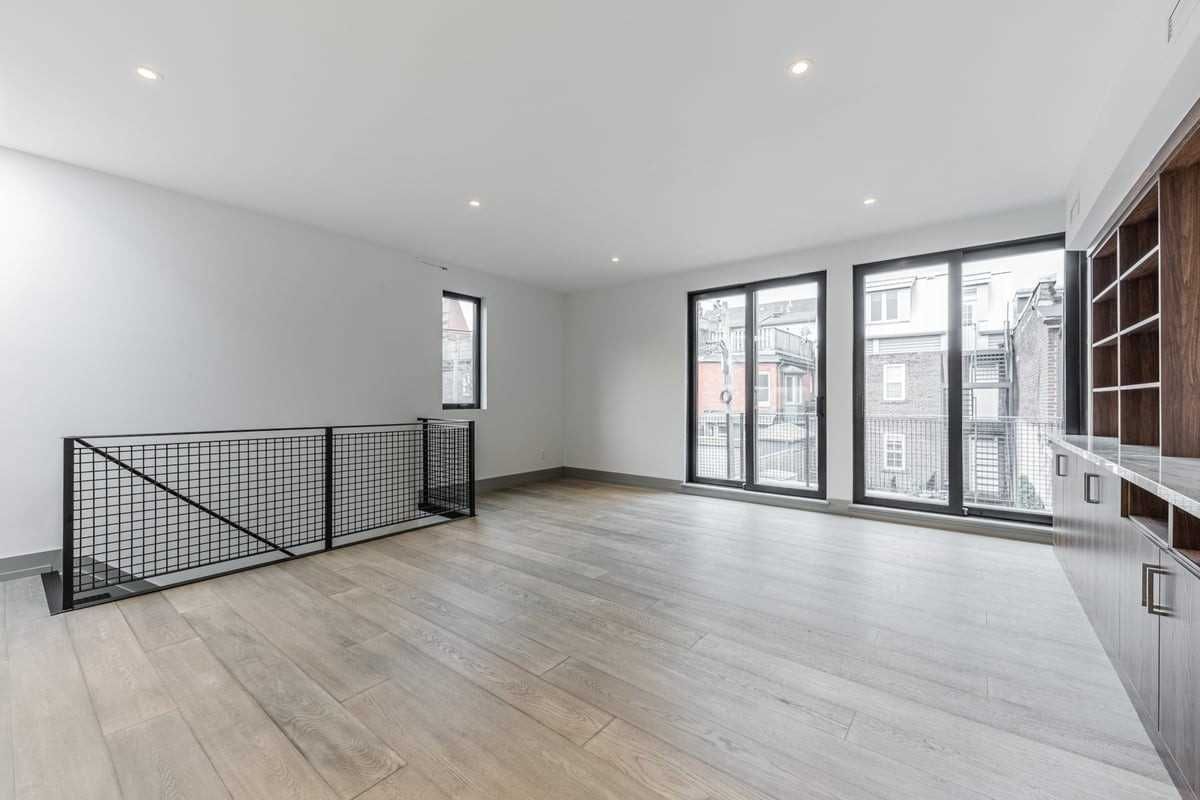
762 389
894 380
791 389
461 351
894 452
890 305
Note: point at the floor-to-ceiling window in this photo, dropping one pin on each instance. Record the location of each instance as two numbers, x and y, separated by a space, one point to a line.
756 386
959 379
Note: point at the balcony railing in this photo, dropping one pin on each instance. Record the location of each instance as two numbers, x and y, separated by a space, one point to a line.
785 447
1006 460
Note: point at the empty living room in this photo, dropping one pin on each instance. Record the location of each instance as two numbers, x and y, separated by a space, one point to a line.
531 400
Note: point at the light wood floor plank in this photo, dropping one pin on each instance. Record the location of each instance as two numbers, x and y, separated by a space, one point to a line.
581 641
6 732
125 688
58 748
668 771
575 720
24 600
349 757
252 756
160 758
503 641
407 784
531 752
154 621
321 652
192 596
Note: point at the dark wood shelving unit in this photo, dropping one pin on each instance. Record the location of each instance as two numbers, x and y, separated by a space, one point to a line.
1126 272
1136 565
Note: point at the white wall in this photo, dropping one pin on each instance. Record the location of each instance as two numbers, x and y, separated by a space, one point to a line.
627 348
1155 85
126 308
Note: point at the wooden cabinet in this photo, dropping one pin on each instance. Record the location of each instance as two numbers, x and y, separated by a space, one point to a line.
1179 669
1138 644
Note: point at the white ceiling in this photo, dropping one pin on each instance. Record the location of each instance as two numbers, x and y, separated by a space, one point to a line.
668 132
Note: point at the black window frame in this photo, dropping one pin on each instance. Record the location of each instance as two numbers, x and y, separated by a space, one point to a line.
818 277
954 259
477 347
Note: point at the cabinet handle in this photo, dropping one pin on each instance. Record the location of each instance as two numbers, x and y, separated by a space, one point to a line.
1090 479
1060 465
1146 585
1152 604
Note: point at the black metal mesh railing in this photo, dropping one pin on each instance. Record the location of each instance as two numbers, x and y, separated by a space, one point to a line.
1006 460
785 448
142 507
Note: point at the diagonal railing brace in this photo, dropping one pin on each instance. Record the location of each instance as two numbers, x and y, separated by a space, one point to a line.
183 498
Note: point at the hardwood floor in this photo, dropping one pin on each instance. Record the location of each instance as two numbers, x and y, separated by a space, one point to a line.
578 641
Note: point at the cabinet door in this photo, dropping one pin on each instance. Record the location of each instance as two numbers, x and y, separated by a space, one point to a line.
1179 707
1139 628
1060 488
1102 504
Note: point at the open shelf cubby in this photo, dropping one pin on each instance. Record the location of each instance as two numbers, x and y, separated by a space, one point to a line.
1104 268
1139 415
1105 413
1104 367
1149 511
1139 356
1138 299
1104 319
1138 234
1185 534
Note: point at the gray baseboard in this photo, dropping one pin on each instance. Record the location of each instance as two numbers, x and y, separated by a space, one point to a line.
622 478
516 479
23 566
998 528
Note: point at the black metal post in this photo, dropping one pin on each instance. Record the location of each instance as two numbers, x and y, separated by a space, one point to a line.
425 501
471 462
68 547
329 488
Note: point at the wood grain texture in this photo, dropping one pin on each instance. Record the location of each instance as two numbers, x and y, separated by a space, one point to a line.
252 756
407 784
575 720
124 687
155 622
24 600
1179 337
6 732
594 642
159 758
349 757
526 653
58 748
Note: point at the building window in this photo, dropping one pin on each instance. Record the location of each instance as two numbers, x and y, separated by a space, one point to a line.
462 354
762 389
791 389
890 305
894 380
894 455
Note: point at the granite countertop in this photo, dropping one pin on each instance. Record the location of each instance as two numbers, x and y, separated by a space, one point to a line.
1176 480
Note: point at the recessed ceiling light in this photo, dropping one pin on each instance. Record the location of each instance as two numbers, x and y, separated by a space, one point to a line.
802 66
474 203
615 259
870 201
148 74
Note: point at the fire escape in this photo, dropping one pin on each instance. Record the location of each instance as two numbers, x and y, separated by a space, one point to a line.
988 440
